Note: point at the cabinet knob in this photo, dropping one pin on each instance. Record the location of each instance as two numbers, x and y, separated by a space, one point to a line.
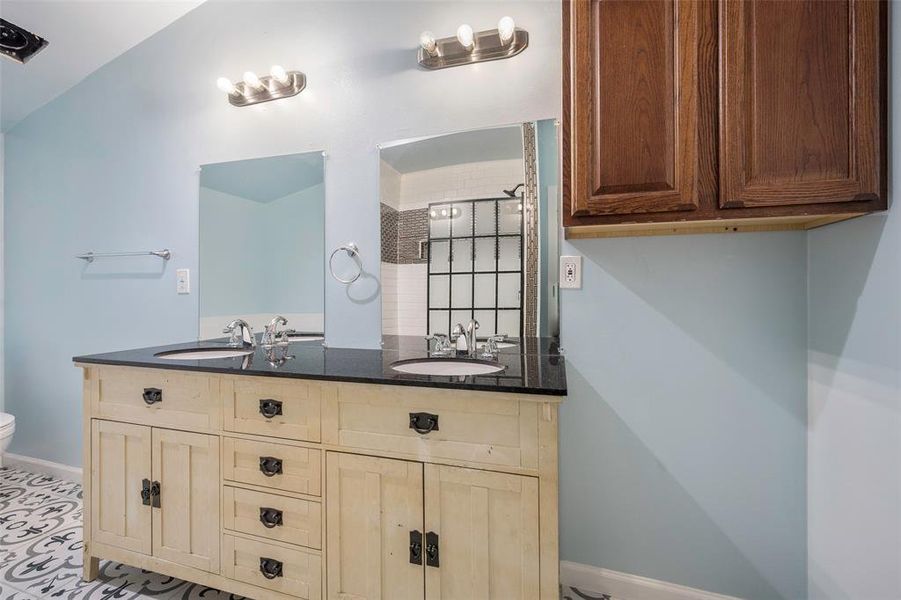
270 517
423 422
270 408
270 466
152 395
270 568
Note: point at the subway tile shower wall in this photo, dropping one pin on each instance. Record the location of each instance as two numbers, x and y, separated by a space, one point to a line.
405 199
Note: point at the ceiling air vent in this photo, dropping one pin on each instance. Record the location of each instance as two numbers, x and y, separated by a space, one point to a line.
19 44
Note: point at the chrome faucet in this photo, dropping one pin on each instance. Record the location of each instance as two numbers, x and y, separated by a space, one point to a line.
271 335
236 330
443 347
468 335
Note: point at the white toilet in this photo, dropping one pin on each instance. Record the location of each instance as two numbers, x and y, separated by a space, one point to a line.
7 429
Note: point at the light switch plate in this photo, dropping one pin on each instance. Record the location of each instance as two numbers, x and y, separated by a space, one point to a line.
570 272
183 281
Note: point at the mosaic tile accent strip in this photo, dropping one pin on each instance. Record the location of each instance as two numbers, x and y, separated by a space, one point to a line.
412 228
388 218
530 204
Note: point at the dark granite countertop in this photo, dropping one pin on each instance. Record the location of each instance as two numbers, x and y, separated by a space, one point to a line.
535 367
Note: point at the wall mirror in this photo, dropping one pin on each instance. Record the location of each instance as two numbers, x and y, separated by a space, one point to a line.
262 243
469 231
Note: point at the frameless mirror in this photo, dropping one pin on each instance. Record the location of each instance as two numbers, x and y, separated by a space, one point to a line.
262 243
469 231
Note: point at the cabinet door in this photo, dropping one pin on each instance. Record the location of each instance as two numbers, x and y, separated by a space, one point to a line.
801 102
372 506
186 525
635 88
120 461
487 527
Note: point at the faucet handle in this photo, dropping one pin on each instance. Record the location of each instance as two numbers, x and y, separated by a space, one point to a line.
441 342
490 349
236 328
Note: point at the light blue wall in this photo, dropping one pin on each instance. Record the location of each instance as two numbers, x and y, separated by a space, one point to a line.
683 436
854 469
276 269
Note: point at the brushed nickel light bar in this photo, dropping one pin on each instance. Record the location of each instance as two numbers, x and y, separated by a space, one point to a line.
468 48
254 90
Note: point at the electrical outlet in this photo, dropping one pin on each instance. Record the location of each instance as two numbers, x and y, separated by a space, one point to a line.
183 281
570 272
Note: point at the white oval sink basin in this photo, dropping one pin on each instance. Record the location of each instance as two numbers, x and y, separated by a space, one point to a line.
447 366
203 353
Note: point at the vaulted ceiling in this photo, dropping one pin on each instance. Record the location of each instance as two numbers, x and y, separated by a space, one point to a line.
84 35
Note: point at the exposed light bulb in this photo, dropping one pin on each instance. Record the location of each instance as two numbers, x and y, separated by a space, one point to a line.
252 81
465 37
519 207
279 74
428 43
505 29
433 214
225 84
443 212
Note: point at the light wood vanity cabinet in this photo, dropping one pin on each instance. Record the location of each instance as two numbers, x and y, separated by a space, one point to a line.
688 116
283 488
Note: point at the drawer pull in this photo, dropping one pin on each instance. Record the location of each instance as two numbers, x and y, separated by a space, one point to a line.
415 547
431 549
270 568
423 422
270 466
270 517
152 395
270 408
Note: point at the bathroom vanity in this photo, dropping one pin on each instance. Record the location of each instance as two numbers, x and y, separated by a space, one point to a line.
325 474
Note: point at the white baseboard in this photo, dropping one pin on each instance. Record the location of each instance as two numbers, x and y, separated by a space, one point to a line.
39 465
623 586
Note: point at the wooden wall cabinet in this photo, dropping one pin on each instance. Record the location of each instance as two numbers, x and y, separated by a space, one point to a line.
278 489
689 116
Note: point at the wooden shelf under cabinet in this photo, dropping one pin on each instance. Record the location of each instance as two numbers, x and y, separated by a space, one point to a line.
669 127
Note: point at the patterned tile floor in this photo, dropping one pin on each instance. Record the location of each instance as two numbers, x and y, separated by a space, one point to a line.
40 550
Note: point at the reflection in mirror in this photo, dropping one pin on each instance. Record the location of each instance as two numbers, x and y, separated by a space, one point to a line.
262 228
468 226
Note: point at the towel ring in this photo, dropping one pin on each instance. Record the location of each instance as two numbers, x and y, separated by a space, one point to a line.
352 251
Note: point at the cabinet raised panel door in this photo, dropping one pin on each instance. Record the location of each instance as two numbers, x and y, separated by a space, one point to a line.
186 524
372 505
120 464
636 84
486 526
800 114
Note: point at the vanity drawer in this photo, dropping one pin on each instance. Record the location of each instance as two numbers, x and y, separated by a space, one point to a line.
295 572
480 427
272 465
286 409
152 397
275 517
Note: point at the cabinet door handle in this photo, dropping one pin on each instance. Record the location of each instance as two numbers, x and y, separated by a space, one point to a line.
145 492
270 408
270 517
423 422
270 466
155 494
152 395
270 568
431 549
416 547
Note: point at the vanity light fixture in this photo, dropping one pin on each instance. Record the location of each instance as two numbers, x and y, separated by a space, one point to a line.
254 89
468 47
